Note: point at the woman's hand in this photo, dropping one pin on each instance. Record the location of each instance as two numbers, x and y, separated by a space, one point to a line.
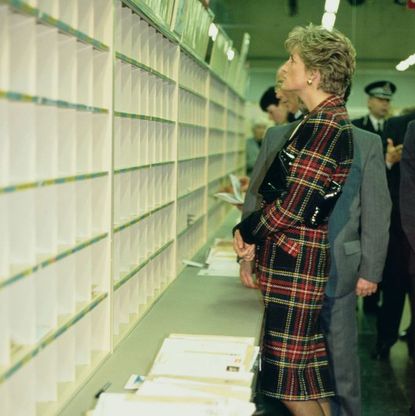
243 250
246 274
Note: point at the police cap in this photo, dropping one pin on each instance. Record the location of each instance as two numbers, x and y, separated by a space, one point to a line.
381 89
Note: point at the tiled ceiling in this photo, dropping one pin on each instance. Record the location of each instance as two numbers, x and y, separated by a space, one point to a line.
383 31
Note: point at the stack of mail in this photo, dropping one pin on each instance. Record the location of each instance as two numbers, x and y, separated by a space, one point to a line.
192 375
111 404
204 367
221 260
211 358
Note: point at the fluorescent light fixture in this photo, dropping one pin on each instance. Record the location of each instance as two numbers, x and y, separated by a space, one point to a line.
404 65
213 31
331 6
230 54
328 20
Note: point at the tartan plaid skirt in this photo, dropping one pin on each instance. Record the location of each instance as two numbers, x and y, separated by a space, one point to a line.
294 358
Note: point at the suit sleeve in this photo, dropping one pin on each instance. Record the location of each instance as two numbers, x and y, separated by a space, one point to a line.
252 197
407 185
357 122
311 171
251 154
375 215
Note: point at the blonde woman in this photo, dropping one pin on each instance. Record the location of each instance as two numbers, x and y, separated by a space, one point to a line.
288 235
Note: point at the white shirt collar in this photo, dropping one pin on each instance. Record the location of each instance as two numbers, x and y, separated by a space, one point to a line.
376 121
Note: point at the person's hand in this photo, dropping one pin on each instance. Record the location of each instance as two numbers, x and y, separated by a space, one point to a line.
228 189
242 249
249 252
393 153
246 274
244 181
365 287
238 244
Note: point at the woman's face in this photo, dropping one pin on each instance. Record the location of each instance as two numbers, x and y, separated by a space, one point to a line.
294 74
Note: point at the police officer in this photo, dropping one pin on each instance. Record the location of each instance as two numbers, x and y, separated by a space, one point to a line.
380 94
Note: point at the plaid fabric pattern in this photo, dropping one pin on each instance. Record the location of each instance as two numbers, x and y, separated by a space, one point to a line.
323 147
294 359
292 261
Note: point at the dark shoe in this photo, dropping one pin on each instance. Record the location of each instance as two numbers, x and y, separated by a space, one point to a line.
381 352
412 410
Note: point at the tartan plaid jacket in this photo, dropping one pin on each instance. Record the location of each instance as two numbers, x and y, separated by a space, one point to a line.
323 147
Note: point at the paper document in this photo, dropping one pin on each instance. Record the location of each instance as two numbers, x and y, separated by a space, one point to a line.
220 338
224 269
192 375
111 404
221 250
192 263
221 260
168 386
236 197
216 360
229 198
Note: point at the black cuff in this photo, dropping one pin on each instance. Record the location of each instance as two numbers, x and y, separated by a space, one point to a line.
247 226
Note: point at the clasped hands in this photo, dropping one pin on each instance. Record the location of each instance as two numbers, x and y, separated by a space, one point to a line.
247 253
244 250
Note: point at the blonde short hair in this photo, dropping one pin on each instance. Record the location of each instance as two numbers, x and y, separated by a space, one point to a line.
329 52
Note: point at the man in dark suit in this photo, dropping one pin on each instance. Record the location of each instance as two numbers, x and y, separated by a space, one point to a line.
396 274
358 234
407 208
380 94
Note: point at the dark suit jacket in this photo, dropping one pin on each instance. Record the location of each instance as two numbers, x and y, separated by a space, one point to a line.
364 123
407 185
395 129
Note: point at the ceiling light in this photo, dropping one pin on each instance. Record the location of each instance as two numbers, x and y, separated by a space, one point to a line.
328 20
230 54
331 6
213 31
404 65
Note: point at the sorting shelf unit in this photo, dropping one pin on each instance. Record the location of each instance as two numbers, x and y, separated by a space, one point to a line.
191 154
144 169
114 135
217 148
55 204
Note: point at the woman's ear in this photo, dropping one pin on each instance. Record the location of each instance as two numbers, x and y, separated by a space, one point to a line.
315 75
